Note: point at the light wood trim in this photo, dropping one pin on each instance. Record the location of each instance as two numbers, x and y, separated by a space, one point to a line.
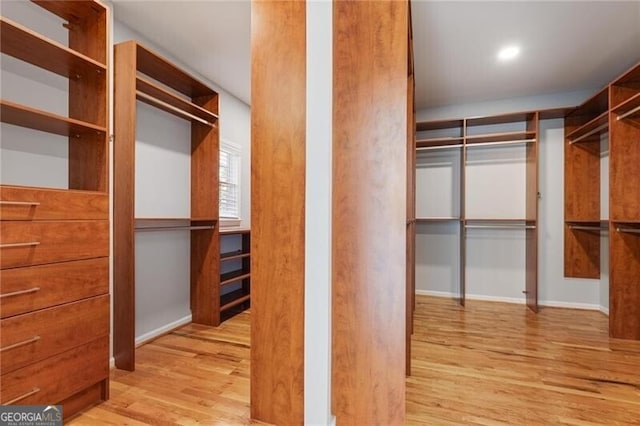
369 212
278 120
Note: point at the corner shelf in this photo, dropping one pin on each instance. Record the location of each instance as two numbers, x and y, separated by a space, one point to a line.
29 46
239 276
629 108
500 138
597 126
32 118
233 299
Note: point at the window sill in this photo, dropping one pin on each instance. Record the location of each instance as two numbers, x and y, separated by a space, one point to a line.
230 223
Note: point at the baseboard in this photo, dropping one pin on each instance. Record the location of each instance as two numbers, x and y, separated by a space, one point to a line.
162 330
522 301
112 363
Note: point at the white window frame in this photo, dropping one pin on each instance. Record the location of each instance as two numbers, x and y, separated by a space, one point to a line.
234 150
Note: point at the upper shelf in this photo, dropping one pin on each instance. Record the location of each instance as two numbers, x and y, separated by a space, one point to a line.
629 108
445 142
502 138
32 118
597 126
425 126
160 97
26 45
71 11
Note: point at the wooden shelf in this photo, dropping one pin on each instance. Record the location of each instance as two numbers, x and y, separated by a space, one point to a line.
445 142
232 299
515 117
500 138
72 11
160 223
438 219
425 126
26 45
163 99
507 220
233 255
597 126
232 277
234 231
629 108
32 118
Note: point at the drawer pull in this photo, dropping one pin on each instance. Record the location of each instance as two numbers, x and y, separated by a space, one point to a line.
21 397
24 342
20 293
19 203
13 245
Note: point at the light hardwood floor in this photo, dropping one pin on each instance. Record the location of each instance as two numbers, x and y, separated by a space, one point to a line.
486 364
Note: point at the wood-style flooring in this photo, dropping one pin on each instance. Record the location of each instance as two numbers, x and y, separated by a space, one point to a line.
486 364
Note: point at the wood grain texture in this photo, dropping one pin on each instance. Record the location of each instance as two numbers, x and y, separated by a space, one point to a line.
531 248
52 204
54 285
58 377
624 284
411 204
58 241
581 253
57 329
278 120
124 121
369 212
624 169
499 364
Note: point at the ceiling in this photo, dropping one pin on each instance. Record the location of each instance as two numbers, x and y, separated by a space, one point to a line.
565 46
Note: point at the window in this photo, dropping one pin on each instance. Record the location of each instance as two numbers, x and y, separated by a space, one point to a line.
229 180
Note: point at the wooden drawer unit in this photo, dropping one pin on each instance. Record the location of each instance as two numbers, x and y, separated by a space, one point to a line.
22 203
35 336
52 380
37 287
37 243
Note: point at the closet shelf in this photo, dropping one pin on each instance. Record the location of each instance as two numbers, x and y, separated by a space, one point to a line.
501 138
597 126
234 231
169 224
159 97
629 108
425 126
439 143
71 11
233 255
438 219
32 118
232 277
26 45
232 299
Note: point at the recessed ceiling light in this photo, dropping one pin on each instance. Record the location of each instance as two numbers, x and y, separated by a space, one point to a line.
508 53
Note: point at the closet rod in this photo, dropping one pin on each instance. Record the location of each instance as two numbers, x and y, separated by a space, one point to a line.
513 142
501 226
175 228
628 113
586 135
428 148
587 228
628 230
173 108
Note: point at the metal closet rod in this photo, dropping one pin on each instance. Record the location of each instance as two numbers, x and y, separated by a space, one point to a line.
428 148
173 108
586 135
588 228
513 142
175 228
628 113
513 226
628 230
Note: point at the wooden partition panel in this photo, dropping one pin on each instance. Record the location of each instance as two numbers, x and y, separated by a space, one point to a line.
624 295
369 212
531 249
278 117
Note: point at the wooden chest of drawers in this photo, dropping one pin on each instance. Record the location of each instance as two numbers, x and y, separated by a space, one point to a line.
54 297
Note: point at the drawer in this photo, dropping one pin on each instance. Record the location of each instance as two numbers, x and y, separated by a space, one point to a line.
28 289
37 243
32 337
52 380
24 203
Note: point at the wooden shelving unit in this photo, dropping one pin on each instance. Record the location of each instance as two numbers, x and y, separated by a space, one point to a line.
624 193
141 74
54 277
235 284
489 132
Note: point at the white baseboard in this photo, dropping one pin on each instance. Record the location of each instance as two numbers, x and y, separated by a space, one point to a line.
112 363
162 330
548 303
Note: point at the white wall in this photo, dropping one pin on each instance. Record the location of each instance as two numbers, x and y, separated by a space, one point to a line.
495 259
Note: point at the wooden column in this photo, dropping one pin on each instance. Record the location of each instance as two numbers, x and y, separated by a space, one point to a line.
278 115
369 212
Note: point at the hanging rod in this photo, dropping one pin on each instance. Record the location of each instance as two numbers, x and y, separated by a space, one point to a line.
586 135
428 148
173 108
628 230
628 113
513 142
501 226
588 228
175 228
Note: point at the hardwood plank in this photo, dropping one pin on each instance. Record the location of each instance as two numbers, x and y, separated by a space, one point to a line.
278 123
369 203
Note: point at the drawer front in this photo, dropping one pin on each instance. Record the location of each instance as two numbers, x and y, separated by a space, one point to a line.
23 203
32 337
37 243
28 289
54 379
